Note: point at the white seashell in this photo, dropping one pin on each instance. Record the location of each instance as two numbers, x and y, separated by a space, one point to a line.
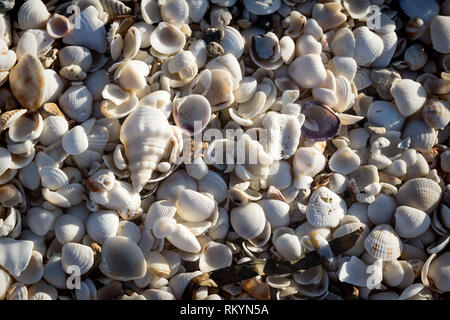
215 256
91 32
280 175
325 208
423 10
416 57
276 212
8 59
102 225
390 42
410 222
356 272
248 220
129 230
53 178
439 33
174 184
33 14
307 71
40 221
78 255
232 42
143 160
438 273
131 74
368 46
174 11
15 255
307 163
54 86
18 291
29 176
288 245
344 161
347 228
182 238
328 15
122 259
381 210
157 264
343 66
307 44
78 55
383 243
357 9
409 96
194 206
5 160
262 7
69 228
385 114
423 138
115 8
66 196
58 26
436 114
150 11
98 138
42 291
180 281
192 113
167 38
27 127
131 43
75 141
343 43
76 102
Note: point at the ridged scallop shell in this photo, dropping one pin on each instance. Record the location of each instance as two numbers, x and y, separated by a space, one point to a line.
423 138
54 128
248 221
33 14
385 114
383 243
69 228
409 96
76 102
410 222
91 32
436 114
194 206
53 178
390 42
75 254
421 193
440 34
167 38
102 225
27 82
174 11
325 208
78 55
40 221
369 46
75 141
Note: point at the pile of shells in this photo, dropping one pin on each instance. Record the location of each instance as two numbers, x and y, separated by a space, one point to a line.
117 164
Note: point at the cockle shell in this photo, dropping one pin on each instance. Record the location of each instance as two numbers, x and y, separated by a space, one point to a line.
102 225
167 38
440 35
194 206
144 144
288 245
174 184
390 42
27 83
28 127
265 51
382 209
421 193
76 102
385 114
78 255
215 256
75 141
8 58
214 184
78 55
344 161
248 220
409 96
53 178
174 11
436 113
438 272
307 71
325 208
423 138
115 8
69 228
343 43
33 14
369 46
410 222
328 15
321 123
40 221
91 32
383 242
122 259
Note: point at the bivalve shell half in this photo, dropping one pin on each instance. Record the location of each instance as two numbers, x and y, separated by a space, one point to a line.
325 208
307 71
194 206
33 14
385 114
78 255
410 222
369 46
421 193
423 138
58 26
76 102
409 96
248 221
75 141
436 114
425 10
192 113
262 7
69 228
344 161
383 243
15 255
440 33
215 256
27 127
102 225
167 38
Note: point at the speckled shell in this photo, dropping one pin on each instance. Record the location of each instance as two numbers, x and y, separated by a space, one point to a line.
383 242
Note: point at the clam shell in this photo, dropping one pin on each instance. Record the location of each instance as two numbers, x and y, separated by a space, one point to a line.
8 59
423 138
78 255
390 42
409 96
53 178
174 184
382 209
356 272
248 221
182 238
54 86
328 15
78 55
76 102
150 11
307 71
33 14
129 230
215 256
325 208
115 8
27 82
174 11
368 46
410 222
436 114
192 113
122 259
321 123
95 82
262 7
420 193
40 221
440 34
288 245
69 228
438 272
27 127
102 225
343 43
90 32
167 38
213 184
280 175
164 227
357 9
383 243
344 161
75 141
15 255
386 115
193 206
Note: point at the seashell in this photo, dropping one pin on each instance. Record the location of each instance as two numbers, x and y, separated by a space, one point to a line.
436 114
415 28
131 43
215 256
180 281
423 138
91 32
144 161
8 59
439 33
26 80
409 96
167 39
42 291
76 102
58 26
157 264
416 57
182 238
80 56
425 11
262 7
194 206
66 196
288 245
164 227
344 161
343 66
321 123
122 259
390 42
150 11
69 228
53 178
368 46
18 291
129 230
28 127
420 193
248 220
75 141
307 71
265 51
175 12
436 273
102 225
180 69
328 15
95 82
280 175
325 208
29 176
386 115
115 8
357 9
410 222
15 255
54 86
33 14
77 255
356 272
383 243
343 43
40 221
382 209
232 42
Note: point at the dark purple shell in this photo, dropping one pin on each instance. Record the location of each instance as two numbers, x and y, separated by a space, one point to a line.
321 123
